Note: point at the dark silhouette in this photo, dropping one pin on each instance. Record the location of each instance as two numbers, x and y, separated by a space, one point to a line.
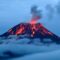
32 31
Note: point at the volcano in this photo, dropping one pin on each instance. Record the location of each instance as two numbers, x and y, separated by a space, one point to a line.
32 31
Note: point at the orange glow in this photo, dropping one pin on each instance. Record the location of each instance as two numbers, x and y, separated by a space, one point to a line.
34 28
33 32
34 20
20 31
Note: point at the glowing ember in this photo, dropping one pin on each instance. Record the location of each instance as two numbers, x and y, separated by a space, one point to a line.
20 31
34 20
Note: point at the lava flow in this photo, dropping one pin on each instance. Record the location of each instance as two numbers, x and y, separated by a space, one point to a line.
35 30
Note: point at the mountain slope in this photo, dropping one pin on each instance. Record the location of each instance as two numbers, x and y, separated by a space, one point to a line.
32 31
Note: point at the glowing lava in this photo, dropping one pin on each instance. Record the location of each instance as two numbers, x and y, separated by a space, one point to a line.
31 29
34 20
